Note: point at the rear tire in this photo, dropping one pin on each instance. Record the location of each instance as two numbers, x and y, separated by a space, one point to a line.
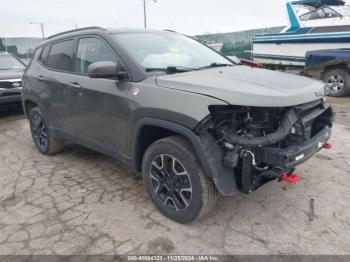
338 82
42 137
175 180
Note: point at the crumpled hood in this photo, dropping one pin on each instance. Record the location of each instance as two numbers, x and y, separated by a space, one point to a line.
243 85
11 74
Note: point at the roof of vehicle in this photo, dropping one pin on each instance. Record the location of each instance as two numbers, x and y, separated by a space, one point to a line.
93 29
76 31
317 3
134 30
4 53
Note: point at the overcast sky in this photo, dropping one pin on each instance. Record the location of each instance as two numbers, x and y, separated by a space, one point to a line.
186 16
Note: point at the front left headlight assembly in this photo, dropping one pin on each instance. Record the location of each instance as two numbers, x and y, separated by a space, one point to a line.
17 84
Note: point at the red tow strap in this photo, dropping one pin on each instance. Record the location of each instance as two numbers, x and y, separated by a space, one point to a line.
290 178
327 146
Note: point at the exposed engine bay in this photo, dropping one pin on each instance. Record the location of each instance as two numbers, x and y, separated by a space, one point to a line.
261 143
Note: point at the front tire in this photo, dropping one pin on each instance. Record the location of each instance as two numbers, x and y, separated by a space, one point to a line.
42 137
338 82
175 180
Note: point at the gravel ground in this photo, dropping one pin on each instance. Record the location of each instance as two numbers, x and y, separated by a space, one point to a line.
82 202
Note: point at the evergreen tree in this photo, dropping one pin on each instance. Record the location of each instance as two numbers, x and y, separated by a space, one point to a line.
2 46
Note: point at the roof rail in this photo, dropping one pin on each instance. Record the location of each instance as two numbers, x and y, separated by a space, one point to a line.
75 30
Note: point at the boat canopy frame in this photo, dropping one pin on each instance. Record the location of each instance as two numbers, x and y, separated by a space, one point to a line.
295 20
318 3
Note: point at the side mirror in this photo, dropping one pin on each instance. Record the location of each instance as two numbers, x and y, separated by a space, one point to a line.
104 69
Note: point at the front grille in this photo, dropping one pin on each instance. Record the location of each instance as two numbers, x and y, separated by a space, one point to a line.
10 94
313 117
6 85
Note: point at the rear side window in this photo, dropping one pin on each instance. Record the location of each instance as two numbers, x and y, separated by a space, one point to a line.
44 54
91 50
60 56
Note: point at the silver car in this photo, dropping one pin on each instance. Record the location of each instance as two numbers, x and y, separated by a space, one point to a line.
11 72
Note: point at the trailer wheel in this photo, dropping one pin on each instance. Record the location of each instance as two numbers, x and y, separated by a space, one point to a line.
338 82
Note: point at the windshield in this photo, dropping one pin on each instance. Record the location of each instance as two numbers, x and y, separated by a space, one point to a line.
342 10
321 13
9 62
168 49
303 9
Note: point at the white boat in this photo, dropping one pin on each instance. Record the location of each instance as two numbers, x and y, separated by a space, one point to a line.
313 25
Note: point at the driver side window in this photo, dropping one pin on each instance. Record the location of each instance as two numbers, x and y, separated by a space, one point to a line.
91 50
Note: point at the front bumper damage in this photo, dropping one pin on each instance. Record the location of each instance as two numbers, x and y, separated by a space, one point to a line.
282 161
288 158
259 151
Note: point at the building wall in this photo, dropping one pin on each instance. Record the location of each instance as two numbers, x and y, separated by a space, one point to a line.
22 47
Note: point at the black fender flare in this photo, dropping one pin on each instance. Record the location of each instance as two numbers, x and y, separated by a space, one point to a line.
31 98
209 153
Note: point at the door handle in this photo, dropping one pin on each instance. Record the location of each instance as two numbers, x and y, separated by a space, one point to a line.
74 86
40 78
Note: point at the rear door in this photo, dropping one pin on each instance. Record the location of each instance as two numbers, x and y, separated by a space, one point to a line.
100 109
58 77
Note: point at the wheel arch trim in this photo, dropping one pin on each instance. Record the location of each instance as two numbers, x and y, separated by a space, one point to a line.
209 153
29 98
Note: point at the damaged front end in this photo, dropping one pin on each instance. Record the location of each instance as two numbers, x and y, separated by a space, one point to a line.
259 144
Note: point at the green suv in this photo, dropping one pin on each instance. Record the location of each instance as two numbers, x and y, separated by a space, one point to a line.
192 122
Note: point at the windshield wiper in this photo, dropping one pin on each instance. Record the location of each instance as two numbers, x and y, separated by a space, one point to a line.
170 69
182 69
212 65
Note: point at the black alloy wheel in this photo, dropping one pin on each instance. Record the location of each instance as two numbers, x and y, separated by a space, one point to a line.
43 139
175 181
39 131
171 182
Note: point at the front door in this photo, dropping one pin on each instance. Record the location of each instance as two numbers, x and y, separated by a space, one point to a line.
100 108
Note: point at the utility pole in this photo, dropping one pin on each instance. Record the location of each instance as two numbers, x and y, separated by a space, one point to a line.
145 12
42 28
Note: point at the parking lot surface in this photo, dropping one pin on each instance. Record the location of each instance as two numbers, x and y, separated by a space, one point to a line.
82 202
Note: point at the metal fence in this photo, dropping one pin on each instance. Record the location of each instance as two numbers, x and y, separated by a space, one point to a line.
237 43
22 47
